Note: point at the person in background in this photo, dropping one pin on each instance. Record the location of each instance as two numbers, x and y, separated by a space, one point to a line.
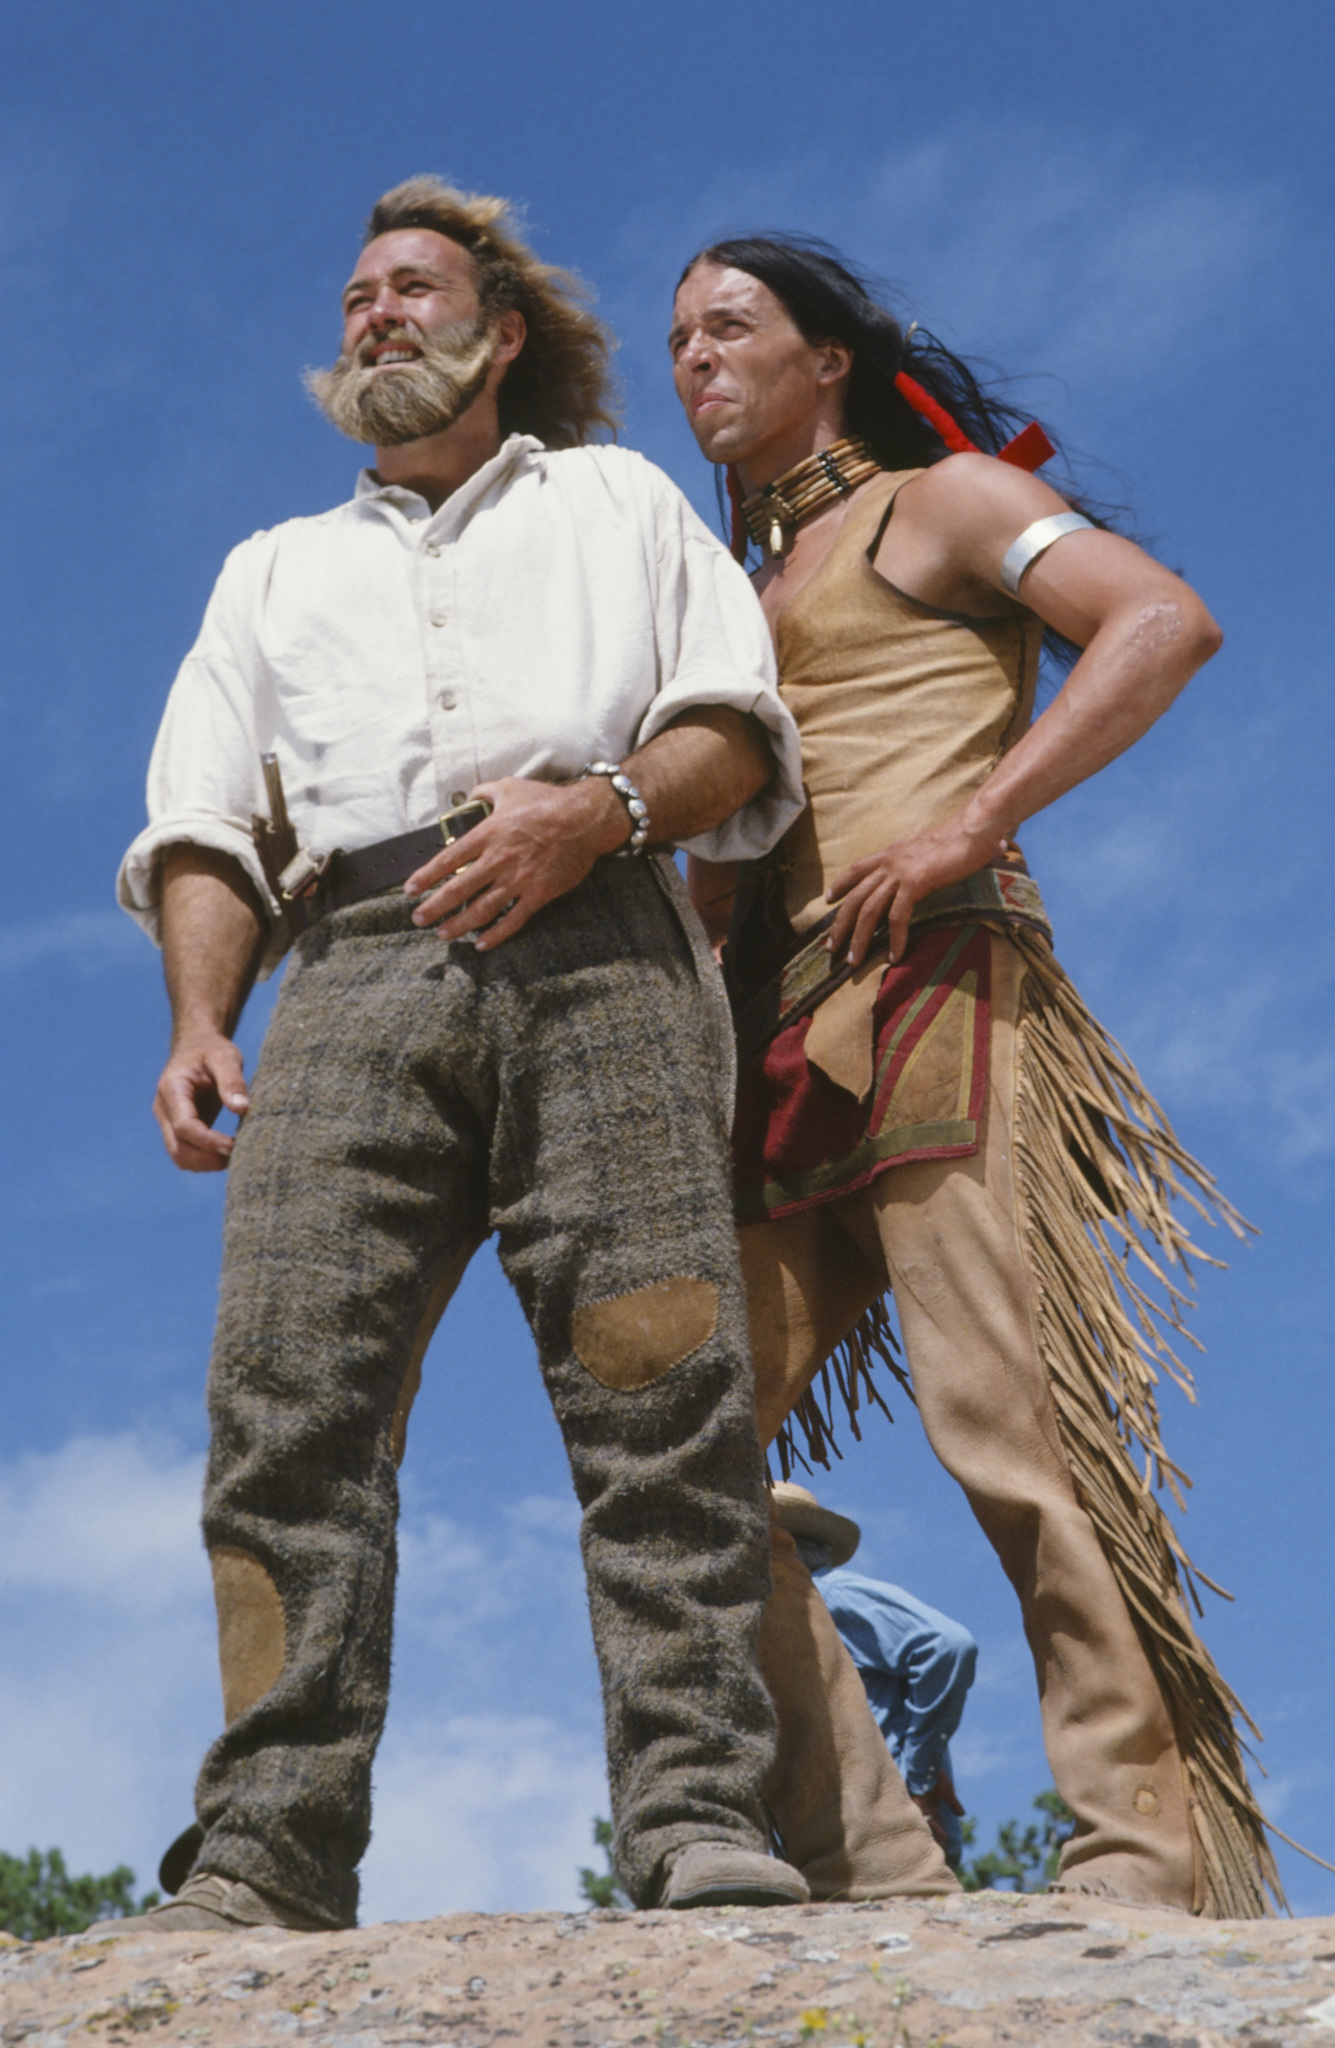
916 1663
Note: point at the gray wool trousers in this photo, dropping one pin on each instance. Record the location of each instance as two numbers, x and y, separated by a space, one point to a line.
411 1097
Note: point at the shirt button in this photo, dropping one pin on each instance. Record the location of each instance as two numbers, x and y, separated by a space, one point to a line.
458 796
432 549
439 619
448 700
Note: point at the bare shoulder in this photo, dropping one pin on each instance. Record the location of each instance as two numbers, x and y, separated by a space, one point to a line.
952 526
976 496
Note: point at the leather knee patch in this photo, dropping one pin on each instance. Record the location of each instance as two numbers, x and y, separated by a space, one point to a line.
633 1340
252 1631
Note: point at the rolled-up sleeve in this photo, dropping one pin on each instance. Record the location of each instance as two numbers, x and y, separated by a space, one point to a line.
715 648
204 779
572 606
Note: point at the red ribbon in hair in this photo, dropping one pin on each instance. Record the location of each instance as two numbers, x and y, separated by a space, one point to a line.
1029 450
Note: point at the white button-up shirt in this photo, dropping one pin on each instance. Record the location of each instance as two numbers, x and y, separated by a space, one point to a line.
561 607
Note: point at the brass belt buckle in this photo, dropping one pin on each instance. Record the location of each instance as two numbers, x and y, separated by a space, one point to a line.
453 824
303 875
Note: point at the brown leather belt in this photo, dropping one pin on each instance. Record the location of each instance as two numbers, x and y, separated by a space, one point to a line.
370 870
997 895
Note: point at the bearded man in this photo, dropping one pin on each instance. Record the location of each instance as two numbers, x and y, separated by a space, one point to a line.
924 1103
535 642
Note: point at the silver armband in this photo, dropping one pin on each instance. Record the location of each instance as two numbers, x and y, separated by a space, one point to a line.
1035 541
630 797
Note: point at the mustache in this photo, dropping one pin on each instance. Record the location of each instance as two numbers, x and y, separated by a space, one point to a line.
405 401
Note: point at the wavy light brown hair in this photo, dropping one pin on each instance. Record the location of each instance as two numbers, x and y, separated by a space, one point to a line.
560 386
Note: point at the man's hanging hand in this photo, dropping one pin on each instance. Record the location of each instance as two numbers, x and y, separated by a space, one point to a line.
930 1804
213 938
204 1076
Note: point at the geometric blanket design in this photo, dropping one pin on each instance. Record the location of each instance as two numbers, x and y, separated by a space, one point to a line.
800 1139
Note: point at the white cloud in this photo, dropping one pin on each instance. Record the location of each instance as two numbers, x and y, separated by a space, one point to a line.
109 1691
1055 252
1186 884
88 940
1277 1794
481 1815
453 1580
1080 257
998 1745
980 1750
108 1519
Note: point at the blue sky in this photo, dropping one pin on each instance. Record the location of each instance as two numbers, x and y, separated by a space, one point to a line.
1127 205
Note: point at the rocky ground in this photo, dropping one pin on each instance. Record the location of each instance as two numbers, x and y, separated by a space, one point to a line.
994 1968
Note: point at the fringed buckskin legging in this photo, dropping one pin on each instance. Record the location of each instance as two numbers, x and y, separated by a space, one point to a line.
963 1244
412 1096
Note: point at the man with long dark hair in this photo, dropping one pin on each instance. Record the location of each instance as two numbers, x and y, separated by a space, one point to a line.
925 1104
511 658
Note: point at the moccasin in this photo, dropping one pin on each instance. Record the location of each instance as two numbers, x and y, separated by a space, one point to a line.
209 1904
717 1874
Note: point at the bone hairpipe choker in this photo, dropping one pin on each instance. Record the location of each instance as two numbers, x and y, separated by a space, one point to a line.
773 515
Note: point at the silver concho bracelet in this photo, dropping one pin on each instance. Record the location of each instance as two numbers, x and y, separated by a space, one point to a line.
630 797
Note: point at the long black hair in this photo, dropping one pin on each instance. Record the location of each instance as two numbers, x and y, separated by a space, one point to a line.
828 298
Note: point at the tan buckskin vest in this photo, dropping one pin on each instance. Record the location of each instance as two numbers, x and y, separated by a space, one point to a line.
903 710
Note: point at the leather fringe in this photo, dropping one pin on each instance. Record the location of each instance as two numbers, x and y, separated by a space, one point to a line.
851 1363
1098 1166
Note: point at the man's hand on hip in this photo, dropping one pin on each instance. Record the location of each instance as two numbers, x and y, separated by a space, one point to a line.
543 837
890 884
540 841
203 1076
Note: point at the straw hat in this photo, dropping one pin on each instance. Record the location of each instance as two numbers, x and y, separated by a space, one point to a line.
801 1514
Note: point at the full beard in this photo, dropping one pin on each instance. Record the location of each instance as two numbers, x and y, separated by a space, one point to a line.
406 401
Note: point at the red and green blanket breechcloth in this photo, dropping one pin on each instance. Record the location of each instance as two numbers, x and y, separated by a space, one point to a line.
800 1139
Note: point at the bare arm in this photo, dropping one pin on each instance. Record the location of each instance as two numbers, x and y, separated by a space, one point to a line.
1144 635
213 935
542 837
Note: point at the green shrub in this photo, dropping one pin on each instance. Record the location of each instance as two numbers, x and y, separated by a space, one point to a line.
600 1887
39 1898
1018 1858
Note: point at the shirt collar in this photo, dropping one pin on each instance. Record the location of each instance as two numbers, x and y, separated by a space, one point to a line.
513 453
